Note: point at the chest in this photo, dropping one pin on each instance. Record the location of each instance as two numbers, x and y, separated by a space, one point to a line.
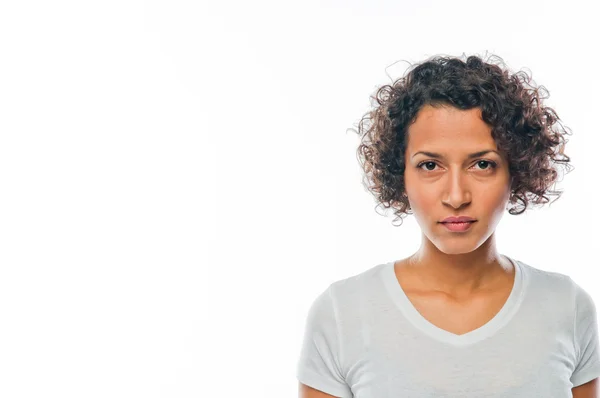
458 317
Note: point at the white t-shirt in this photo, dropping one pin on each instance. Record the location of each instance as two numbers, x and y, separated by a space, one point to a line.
363 338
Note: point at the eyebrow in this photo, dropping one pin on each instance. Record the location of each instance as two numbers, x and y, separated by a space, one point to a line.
471 156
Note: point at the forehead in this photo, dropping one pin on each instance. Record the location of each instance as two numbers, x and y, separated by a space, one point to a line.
448 129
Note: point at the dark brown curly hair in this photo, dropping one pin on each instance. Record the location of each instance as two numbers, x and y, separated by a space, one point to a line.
526 131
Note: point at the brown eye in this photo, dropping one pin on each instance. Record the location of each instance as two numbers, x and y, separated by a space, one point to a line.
492 165
426 162
484 164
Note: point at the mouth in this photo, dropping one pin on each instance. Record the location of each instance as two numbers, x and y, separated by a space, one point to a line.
458 226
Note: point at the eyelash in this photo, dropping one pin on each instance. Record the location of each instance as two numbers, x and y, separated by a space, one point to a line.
492 164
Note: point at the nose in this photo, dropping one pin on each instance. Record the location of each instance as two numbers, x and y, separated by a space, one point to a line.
457 193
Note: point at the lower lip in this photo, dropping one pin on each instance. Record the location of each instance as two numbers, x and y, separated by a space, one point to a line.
458 226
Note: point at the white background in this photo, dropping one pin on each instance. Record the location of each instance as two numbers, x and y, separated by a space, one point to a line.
178 181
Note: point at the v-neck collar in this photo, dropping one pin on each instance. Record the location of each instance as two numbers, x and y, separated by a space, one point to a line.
507 311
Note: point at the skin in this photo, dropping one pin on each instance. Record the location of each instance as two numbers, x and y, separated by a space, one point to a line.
591 389
456 264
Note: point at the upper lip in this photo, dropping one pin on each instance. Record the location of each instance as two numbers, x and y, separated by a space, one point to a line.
458 219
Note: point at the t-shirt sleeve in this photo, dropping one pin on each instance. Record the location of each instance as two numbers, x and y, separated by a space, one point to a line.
319 362
587 343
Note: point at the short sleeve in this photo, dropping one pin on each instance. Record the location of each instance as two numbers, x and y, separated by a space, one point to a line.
319 362
586 339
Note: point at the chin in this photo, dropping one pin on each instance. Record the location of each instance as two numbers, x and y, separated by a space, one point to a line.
457 242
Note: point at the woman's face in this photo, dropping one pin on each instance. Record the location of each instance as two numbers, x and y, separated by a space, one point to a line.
455 184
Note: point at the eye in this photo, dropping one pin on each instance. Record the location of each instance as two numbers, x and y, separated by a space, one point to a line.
490 164
424 163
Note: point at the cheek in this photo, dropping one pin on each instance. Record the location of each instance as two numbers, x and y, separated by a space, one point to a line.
497 198
421 196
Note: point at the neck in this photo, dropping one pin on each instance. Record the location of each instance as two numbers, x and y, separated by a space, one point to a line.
458 274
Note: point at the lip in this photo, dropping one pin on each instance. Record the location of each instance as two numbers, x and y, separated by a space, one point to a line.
458 219
458 226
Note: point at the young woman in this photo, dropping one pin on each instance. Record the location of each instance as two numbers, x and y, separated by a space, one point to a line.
454 142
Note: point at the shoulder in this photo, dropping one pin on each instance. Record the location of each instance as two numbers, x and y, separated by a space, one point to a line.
559 288
359 283
542 279
348 295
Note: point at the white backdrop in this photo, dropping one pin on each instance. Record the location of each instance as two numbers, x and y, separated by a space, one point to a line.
179 183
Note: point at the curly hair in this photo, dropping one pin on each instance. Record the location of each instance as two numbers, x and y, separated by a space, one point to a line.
527 132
